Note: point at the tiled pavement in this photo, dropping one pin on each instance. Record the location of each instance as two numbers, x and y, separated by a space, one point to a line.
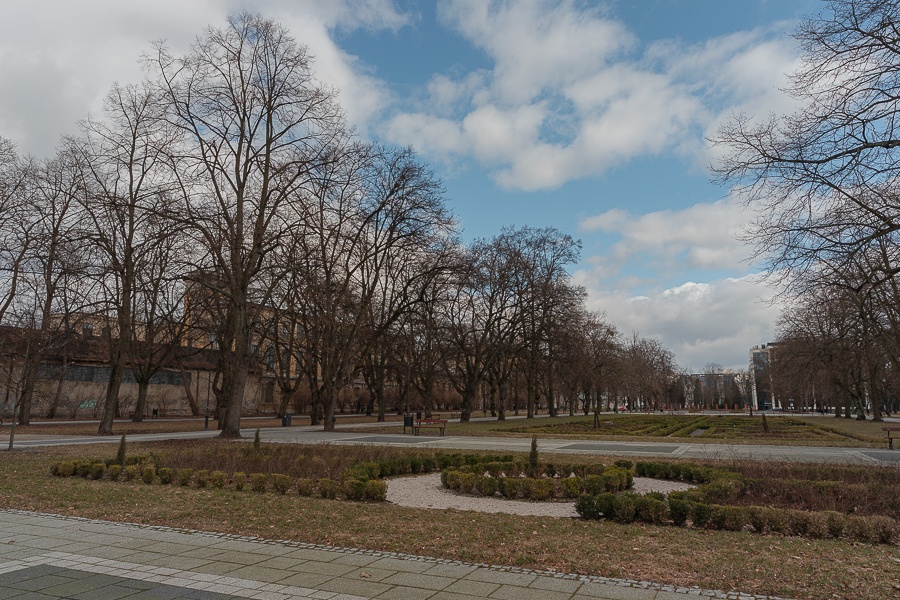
47 557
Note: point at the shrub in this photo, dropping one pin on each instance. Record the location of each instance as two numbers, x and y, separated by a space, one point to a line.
356 488
259 482
836 523
511 487
885 528
487 486
305 486
376 490
466 483
84 469
66 468
624 464
594 484
428 464
185 476
570 487
201 477
542 489
617 479
54 469
776 520
98 469
623 508
729 518
281 483
605 502
722 491
148 475
328 488
679 511
256 440
415 465
861 529
756 516
586 506
873 530
218 479
700 514
114 472
651 510
130 472
239 479
166 475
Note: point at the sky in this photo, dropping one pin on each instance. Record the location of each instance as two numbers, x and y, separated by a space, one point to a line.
590 117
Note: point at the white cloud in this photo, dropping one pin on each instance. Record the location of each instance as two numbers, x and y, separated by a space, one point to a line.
570 95
700 322
58 59
702 236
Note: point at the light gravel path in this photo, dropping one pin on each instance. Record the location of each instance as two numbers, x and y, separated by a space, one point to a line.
425 491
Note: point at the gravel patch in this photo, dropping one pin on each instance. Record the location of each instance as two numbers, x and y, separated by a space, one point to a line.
426 491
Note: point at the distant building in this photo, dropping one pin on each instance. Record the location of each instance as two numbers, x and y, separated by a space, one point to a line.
763 396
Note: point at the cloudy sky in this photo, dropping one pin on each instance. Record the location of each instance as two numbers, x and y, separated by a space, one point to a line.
591 117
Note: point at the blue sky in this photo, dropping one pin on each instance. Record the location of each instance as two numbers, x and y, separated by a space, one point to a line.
591 117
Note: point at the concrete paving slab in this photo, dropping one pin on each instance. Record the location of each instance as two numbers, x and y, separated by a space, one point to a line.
210 566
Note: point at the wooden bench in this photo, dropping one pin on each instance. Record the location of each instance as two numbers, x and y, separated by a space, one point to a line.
890 430
436 423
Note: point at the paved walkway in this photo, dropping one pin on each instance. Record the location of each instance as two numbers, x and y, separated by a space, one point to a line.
45 557
349 434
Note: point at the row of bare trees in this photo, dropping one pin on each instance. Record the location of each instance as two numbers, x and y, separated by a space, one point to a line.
825 184
225 200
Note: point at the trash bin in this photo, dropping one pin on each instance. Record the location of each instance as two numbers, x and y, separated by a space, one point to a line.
407 422
286 420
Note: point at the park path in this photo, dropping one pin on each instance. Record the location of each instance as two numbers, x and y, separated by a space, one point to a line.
350 434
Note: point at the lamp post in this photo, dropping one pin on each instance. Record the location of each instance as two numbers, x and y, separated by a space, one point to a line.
212 340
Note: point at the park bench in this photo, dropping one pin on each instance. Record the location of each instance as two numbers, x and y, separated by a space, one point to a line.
889 431
436 423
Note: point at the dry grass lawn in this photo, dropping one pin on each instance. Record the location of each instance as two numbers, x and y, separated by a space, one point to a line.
788 567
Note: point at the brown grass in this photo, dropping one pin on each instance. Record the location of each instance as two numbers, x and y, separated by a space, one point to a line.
790 567
683 428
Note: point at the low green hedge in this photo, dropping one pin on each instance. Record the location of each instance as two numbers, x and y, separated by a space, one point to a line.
483 483
680 512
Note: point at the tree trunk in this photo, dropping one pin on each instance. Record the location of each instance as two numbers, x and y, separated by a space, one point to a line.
141 406
111 402
28 384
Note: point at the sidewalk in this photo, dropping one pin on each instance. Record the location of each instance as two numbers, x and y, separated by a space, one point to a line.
46 557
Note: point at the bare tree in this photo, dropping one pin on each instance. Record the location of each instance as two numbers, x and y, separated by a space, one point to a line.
255 123
128 187
54 284
15 222
824 179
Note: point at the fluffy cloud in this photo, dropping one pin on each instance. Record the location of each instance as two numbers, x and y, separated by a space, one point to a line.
702 236
570 94
700 322
63 56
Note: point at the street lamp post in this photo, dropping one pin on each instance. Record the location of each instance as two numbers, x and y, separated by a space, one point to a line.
206 417
212 340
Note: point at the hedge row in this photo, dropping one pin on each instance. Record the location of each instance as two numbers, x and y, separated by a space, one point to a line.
353 489
653 508
535 488
511 468
688 472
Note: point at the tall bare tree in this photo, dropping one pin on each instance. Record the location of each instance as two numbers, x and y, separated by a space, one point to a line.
254 124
